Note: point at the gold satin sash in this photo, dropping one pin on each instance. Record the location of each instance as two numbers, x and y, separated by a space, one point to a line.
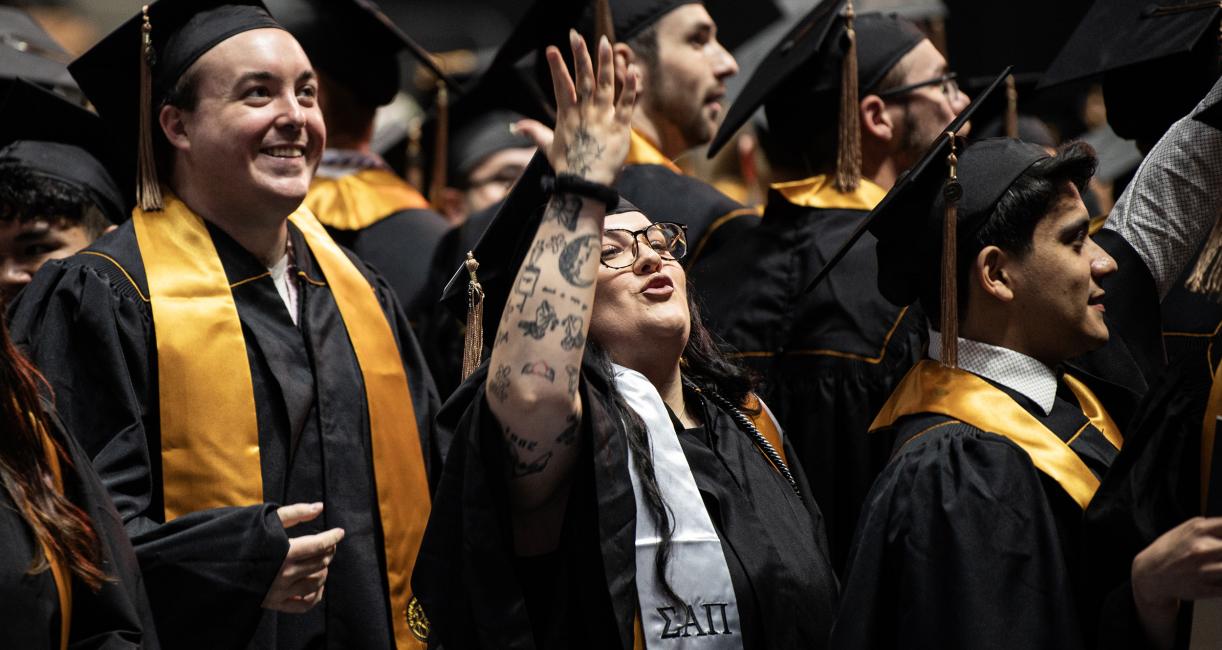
933 388
1213 410
209 431
820 192
362 199
642 152
59 571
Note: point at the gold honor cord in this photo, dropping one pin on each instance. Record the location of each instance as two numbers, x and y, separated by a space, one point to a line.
59 570
362 199
210 437
209 433
933 388
398 460
642 152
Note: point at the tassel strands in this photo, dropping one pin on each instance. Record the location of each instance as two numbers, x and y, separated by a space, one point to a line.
473 343
1206 277
148 189
848 146
949 323
441 145
1011 107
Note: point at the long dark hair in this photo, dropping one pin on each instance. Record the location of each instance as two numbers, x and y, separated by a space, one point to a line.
704 365
25 471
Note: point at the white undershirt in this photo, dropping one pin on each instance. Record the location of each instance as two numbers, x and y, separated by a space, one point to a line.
1014 370
286 285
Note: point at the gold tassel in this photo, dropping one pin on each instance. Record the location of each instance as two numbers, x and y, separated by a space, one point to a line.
441 145
415 162
473 343
604 25
1011 107
848 149
950 276
1206 277
148 190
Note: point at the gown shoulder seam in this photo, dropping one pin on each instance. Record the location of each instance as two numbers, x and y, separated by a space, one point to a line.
121 269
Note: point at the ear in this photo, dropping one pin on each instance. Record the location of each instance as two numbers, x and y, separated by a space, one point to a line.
452 205
875 120
991 272
173 125
624 50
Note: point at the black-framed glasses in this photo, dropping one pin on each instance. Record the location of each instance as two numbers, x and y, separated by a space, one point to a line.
620 247
948 82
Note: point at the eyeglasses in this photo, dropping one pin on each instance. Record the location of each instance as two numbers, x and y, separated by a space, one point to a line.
620 247
948 83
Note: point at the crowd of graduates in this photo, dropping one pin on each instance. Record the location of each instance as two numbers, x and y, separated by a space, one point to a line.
283 366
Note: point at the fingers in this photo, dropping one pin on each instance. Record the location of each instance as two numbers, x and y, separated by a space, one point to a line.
582 66
606 72
538 132
562 83
627 96
299 603
294 514
309 546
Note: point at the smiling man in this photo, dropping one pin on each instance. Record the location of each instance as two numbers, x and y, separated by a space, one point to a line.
249 392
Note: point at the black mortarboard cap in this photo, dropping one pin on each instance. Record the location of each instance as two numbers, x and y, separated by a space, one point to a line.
806 65
110 73
28 51
929 171
480 135
55 138
738 21
353 42
1165 49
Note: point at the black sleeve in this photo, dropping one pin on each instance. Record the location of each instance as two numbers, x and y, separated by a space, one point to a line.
91 334
957 548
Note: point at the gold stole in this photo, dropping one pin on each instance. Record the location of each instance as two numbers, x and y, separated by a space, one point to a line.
933 388
820 192
209 431
362 199
642 152
59 570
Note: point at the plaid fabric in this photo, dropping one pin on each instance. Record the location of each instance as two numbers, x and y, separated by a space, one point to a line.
1011 369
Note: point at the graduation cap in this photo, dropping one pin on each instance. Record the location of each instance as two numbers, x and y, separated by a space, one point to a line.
129 72
54 138
1166 49
479 135
829 49
905 214
354 42
28 51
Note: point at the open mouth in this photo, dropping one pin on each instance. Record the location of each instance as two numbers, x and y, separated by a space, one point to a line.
659 285
284 151
1096 301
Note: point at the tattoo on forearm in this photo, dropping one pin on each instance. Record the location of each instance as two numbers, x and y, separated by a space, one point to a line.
573 260
569 435
583 151
574 338
525 288
525 460
544 322
573 374
499 386
563 209
540 369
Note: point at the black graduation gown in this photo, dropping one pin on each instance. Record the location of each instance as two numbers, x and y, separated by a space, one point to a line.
86 322
116 616
828 359
477 594
665 195
964 543
401 248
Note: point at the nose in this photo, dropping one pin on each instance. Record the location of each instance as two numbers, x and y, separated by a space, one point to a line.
961 101
1101 264
293 115
647 259
724 64
13 277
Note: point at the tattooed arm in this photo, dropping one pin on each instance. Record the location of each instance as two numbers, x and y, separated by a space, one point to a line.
532 380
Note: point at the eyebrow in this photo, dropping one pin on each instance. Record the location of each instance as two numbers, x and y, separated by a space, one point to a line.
1080 224
264 75
36 232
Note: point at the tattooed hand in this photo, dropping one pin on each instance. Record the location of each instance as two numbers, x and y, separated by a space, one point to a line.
592 124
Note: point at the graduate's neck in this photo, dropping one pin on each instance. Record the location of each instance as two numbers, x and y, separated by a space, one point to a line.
354 141
262 235
883 170
662 370
1004 330
660 132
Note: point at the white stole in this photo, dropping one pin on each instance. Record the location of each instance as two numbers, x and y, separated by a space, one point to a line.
697 571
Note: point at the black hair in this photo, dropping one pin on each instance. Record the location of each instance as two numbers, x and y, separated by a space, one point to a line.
26 195
644 45
709 370
1011 225
183 95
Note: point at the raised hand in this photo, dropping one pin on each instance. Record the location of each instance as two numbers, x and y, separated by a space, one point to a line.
592 123
1185 563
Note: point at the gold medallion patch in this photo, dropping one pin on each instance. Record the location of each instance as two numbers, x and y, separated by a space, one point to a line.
417 622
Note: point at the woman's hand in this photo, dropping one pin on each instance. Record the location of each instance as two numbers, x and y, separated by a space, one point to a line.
1185 563
592 124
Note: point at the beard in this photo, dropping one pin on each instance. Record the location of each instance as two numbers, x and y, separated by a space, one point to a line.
679 112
